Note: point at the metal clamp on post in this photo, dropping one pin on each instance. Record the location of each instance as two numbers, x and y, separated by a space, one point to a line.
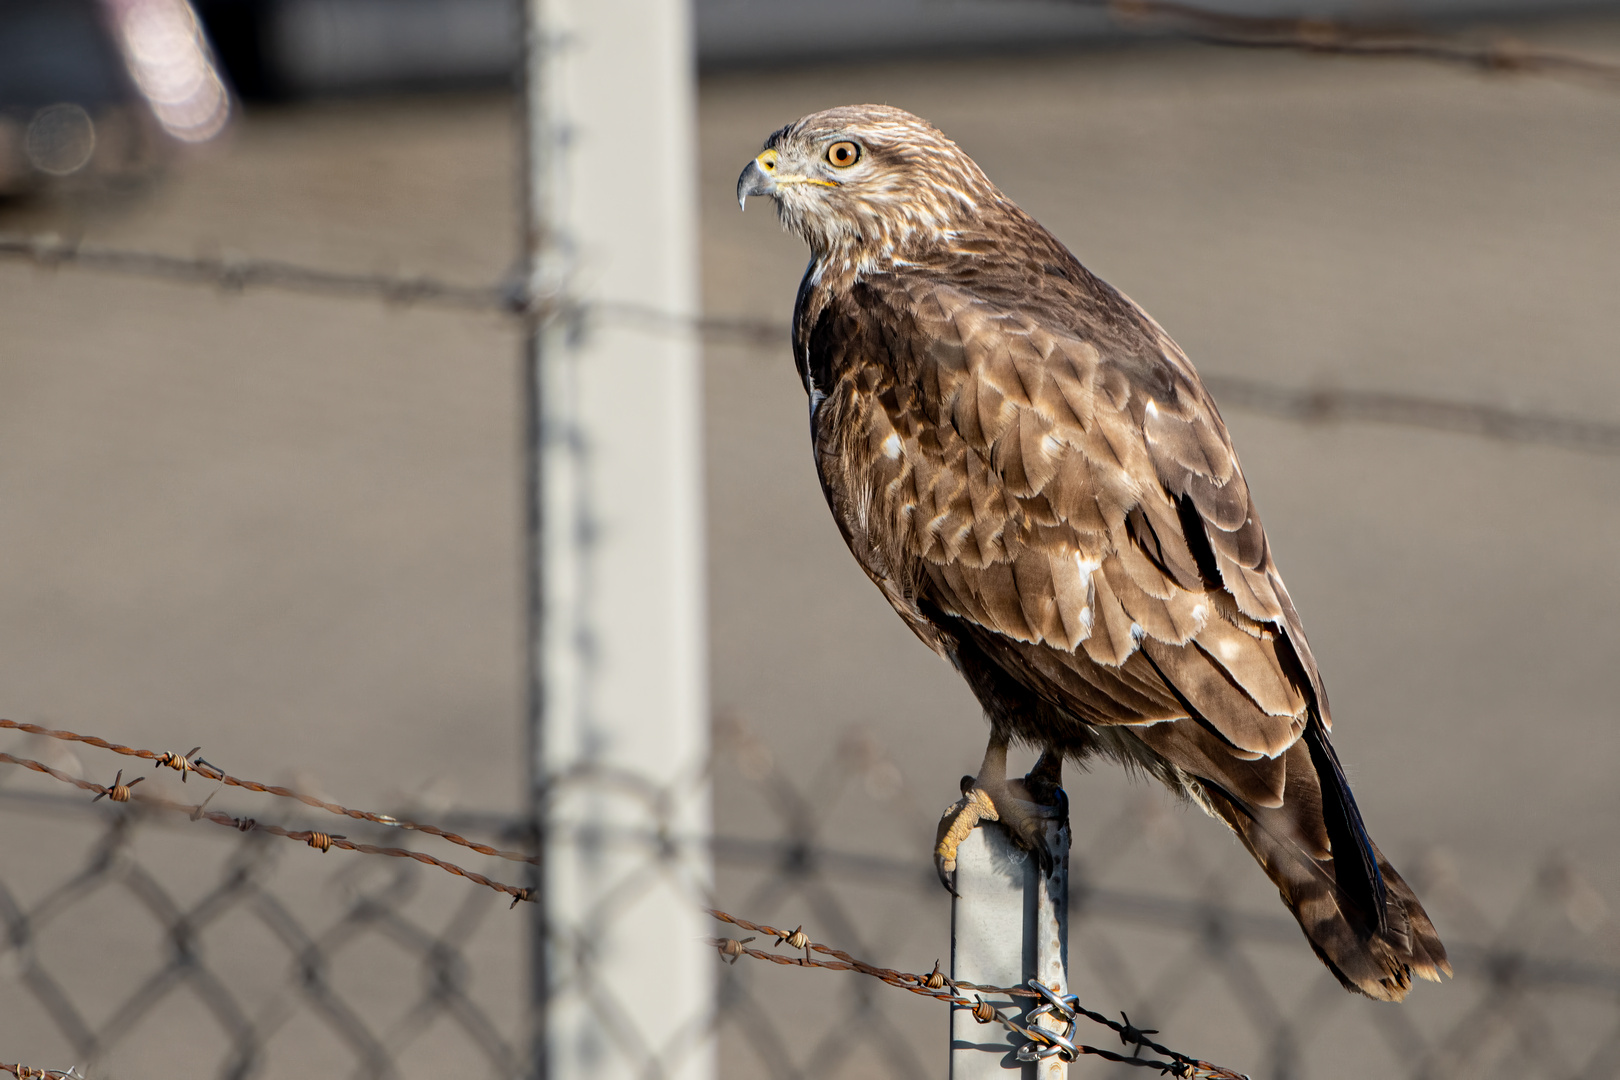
1048 1040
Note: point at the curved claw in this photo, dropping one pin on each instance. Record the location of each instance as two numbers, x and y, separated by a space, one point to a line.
1057 809
1025 822
1042 853
955 824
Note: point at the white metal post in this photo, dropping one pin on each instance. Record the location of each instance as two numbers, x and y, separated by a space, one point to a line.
624 984
1009 924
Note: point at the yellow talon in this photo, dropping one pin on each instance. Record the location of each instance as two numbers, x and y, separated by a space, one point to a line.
958 821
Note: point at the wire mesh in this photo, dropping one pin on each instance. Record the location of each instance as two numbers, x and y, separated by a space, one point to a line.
242 966
1537 993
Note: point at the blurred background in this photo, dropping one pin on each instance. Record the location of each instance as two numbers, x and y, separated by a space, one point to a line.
287 524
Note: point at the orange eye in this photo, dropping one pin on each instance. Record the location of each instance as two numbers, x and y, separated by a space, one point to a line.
843 154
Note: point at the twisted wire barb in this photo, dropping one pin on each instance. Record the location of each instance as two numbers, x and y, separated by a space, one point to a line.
941 987
186 764
24 1072
319 840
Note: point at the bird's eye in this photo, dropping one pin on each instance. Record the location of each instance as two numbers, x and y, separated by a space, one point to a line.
843 154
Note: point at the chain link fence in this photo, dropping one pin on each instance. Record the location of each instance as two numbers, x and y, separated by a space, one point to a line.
227 955
247 977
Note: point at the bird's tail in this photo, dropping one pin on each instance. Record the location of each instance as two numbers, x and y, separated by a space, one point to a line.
1360 917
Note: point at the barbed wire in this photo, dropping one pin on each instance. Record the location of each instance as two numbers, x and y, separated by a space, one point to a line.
190 763
1329 405
941 987
121 792
1042 1042
1305 405
236 274
1320 36
24 1072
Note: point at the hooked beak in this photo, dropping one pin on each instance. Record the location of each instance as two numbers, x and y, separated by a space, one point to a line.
764 176
757 178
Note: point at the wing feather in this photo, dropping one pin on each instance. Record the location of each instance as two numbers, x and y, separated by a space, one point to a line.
1174 617
1112 636
1191 747
1072 589
1037 596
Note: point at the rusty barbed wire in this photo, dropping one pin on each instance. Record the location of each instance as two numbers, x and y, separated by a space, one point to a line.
315 839
24 1072
1505 967
1319 36
941 987
186 763
1041 1042
1269 398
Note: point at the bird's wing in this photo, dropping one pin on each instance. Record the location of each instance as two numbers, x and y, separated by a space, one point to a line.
1081 507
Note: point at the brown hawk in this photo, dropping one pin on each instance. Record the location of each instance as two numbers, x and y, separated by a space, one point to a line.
1031 471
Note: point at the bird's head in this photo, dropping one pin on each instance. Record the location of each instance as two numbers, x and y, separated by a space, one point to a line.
865 182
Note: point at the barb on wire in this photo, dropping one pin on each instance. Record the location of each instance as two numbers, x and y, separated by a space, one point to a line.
1324 36
24 1072
119 791
187 763
318 840
940 987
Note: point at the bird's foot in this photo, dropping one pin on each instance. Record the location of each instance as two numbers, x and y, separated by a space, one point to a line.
1023 807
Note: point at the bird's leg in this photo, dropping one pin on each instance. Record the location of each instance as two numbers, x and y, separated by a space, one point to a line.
1045 781
1022 806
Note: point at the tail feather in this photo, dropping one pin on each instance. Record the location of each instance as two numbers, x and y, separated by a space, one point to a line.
1357 912
1356 860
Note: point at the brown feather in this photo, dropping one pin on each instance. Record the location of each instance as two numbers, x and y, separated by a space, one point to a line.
1190 747
1112 639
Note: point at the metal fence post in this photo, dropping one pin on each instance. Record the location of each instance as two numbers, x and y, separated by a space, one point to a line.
1009 924
623 983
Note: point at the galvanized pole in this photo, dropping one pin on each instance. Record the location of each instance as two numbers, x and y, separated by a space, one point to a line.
623 985
1009 924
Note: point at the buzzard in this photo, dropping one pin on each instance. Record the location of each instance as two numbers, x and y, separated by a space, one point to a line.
1031 471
